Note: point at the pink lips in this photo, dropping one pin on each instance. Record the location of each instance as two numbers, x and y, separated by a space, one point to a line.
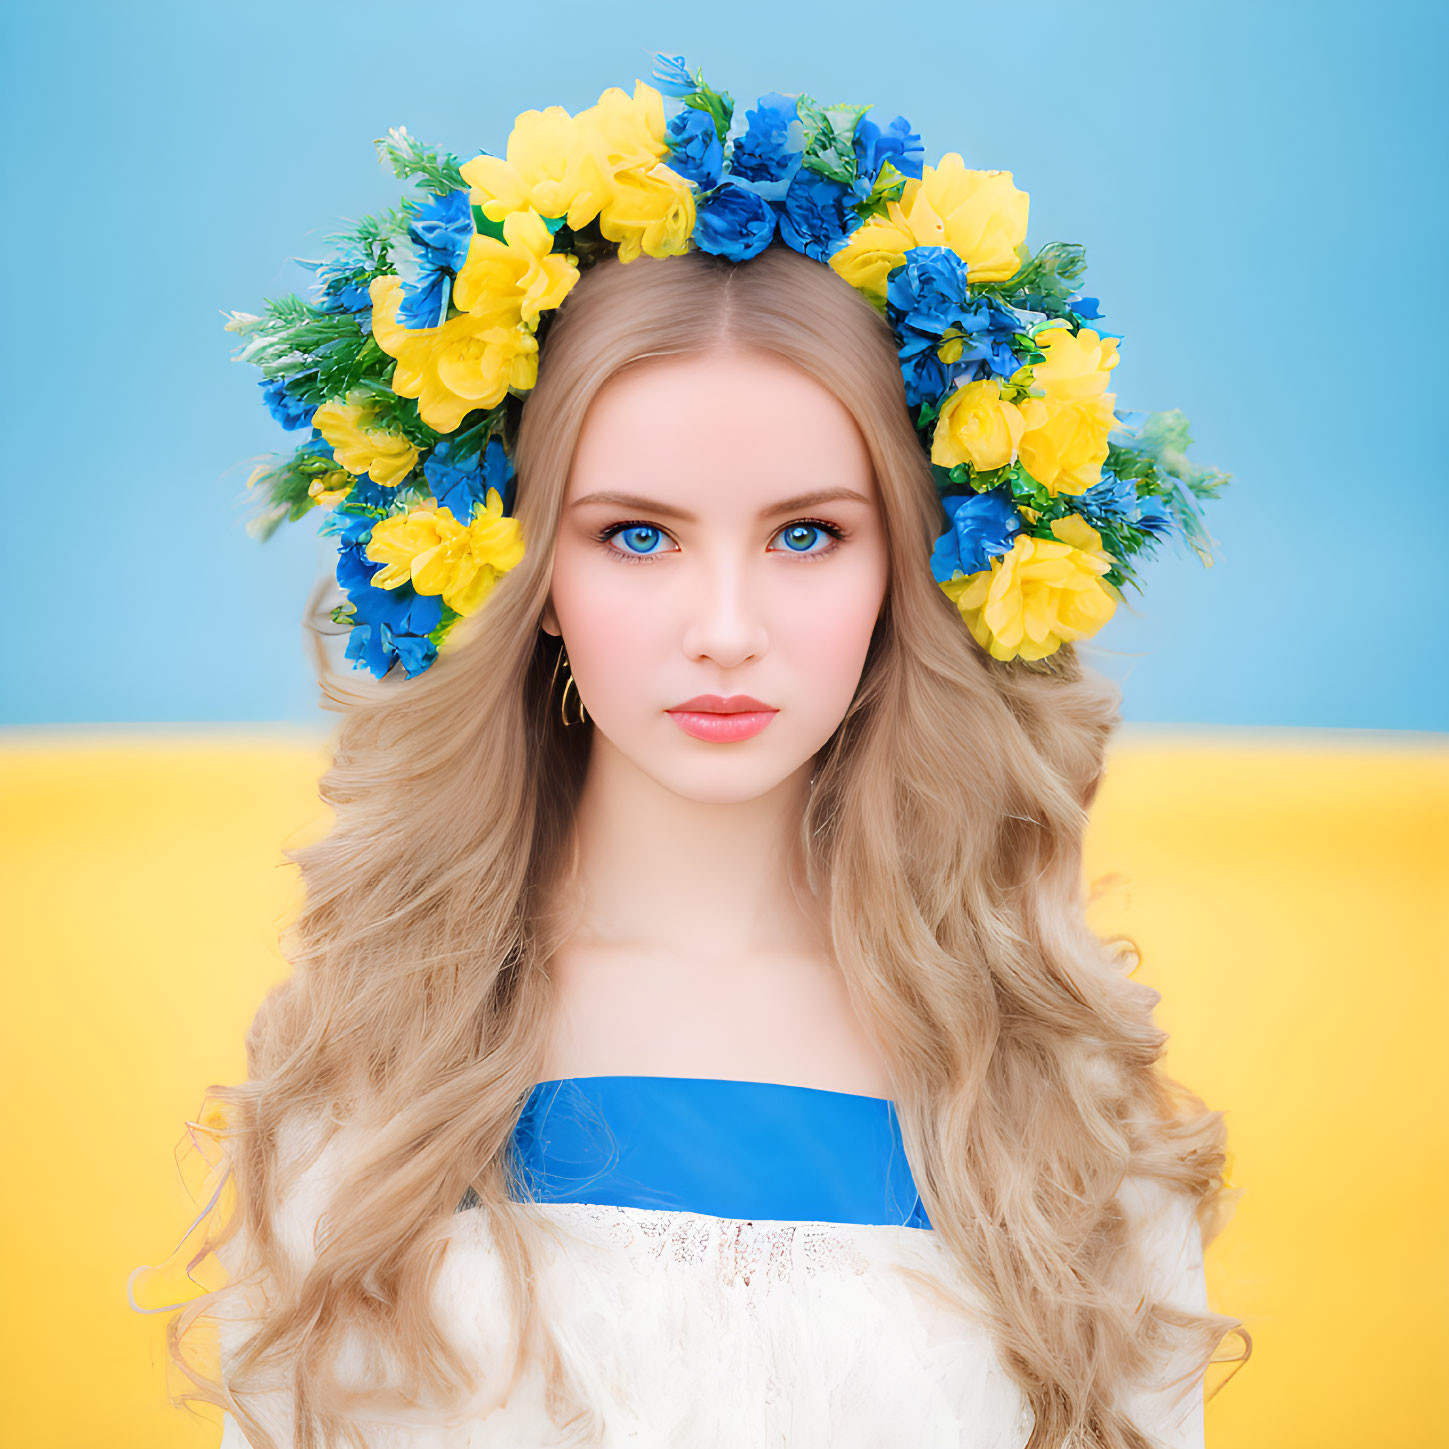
722 719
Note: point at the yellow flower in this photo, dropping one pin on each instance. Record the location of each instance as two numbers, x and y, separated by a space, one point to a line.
977 426
627 130
606 162
1065 443
386 458
468 362
430 549
515 279
1075 366
1042 594
980 215
648 207
650 211
552 166
330 488
874 249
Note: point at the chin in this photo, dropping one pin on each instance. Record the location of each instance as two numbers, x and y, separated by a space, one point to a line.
722 782
711 774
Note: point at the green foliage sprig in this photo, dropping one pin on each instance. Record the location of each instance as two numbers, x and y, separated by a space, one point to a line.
1044 282
1154 458
830 138
719 104
434 170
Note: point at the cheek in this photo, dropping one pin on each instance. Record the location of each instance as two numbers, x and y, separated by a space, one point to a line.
827 640
606 618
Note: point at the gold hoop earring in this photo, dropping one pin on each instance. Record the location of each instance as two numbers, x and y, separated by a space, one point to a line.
562 658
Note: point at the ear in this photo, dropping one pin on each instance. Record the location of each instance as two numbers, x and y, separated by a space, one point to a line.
550 620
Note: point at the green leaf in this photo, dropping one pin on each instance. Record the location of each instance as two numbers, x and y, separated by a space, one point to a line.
888 185
1020 383
410 159
830 138
719 104
1123 541
291 336
376 237
484 227
446 620
588 243
984 480
941 477
395 414
1044 282
1155 458
470 442
282 490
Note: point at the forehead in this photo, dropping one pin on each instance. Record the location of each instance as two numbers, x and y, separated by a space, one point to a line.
746 419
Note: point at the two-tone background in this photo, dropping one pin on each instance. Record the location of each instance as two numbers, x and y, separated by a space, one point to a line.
1259 188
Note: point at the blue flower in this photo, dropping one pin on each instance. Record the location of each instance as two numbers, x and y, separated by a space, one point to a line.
388 625
1153 517
734 222
929 292
926 377
772 147
671 76
1085 307
340 284
1113 499
981 526
378 643
695 149
460 489
873 146
287 408
818 214
442 229
986 349
425 302
440 232
927 301
415 652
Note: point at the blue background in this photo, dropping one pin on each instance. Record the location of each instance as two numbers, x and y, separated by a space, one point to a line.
1253 183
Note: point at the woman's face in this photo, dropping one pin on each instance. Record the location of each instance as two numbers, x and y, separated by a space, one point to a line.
721 536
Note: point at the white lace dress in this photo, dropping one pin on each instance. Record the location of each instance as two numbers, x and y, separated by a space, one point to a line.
691 1329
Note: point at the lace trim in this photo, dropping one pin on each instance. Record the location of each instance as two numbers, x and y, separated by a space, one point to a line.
729 1249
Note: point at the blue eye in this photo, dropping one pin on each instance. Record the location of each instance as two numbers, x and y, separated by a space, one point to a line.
644 535
798 536
647 540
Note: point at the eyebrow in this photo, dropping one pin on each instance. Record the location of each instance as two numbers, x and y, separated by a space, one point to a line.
667 510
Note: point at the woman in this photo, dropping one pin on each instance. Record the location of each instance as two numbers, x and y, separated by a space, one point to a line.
695 1035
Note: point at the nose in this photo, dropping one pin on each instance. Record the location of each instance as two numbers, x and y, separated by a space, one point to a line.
725 618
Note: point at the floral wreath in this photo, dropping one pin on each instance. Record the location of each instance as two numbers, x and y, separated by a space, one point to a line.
421 331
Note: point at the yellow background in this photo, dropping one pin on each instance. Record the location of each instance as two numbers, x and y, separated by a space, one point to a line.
1288 891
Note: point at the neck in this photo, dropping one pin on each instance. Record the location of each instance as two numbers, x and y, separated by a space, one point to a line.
709 881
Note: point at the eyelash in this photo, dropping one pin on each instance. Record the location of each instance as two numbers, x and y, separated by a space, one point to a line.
605 534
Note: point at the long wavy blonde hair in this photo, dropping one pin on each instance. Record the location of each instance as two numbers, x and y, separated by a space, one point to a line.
944 835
